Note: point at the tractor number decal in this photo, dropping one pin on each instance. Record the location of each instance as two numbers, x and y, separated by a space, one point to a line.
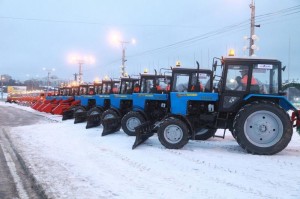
145 95
206 98
103 96
186 95
121 96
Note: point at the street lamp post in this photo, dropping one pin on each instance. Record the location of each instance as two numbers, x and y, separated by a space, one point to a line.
123 43
48 78
80 60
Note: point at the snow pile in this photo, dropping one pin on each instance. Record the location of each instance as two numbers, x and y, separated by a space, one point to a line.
72 162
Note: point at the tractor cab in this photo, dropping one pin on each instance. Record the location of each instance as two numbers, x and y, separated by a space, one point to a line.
246 78
191 80
154 83
110 86
97 88
129 85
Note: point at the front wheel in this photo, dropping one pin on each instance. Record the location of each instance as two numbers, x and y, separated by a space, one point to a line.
173 133
262 128
131 120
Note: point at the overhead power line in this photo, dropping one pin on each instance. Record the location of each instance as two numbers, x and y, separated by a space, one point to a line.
238 26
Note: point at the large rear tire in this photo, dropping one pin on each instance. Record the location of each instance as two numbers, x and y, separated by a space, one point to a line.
262 128
173 133
131 120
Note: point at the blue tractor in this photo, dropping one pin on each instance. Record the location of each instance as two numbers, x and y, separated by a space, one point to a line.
247 99
150 105
95 102
120 104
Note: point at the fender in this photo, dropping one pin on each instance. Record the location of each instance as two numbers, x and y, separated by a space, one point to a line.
185 120
101 108
116 110
283 102
142 112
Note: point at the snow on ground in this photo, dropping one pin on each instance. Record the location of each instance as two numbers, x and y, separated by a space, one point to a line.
72 162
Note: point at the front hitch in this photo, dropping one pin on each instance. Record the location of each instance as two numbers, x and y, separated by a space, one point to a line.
296 120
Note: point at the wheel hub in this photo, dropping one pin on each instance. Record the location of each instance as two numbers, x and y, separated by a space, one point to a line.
263 128
173 134
132 123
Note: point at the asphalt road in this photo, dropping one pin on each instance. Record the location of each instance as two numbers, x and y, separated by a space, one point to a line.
15 182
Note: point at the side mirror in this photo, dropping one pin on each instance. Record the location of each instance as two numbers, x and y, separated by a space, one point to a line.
283 68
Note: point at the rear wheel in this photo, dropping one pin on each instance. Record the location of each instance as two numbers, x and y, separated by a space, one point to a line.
262 128
173 133
131 120
205 134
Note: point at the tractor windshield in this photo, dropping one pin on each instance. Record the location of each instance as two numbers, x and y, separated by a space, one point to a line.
264 78
188 82
98 89
106 88
126 87
267 78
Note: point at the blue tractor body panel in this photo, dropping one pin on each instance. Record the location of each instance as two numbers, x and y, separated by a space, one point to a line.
100 99
179 100
115 99
84 99
76 97
283 101
139 99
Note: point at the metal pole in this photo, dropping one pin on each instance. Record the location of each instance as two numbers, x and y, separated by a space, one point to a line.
80 72
123 60
252 28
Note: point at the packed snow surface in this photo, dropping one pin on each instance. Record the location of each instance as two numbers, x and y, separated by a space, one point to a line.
72 162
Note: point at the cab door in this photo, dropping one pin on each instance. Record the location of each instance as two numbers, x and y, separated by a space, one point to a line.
234 86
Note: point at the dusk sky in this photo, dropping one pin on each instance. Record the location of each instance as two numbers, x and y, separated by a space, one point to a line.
35 34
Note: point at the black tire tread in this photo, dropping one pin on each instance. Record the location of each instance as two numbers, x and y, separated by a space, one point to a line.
284 141
181 124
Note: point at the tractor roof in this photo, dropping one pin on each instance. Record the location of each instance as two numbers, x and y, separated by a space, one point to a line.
249 59
129 79
153 75
191 70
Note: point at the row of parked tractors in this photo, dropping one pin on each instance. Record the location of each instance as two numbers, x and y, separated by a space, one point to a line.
182 104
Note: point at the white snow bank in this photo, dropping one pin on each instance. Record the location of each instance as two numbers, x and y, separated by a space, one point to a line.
72 162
